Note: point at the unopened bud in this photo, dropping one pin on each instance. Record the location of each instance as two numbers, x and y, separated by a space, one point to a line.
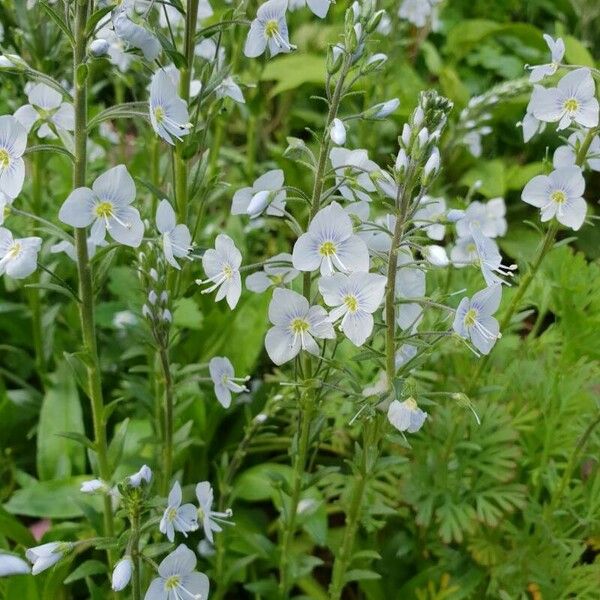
99 47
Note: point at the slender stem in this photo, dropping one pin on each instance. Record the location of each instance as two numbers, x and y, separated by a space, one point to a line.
344 556
33 294
86 293
136 584
306 413
168 420
181 165
308 402
543 249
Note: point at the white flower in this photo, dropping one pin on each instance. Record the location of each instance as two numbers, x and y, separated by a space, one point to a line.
530 124
94 486
168 112
489 217
406 416
107 208
223 376
267 192
418 12
557 51
429 215
121 575
135 35
318 7
45 556
18 256
209 518
410 284
432 166
46 105
228 88
177 517
175 76
330 244
464 253
268 29
559 195
222 267
278 270
13 141
12 565
296 324
207 49
405 353
474 320
176 239
99 47
565 156
337 132
573 100
352 168
490 259
177 578
356 297
144 474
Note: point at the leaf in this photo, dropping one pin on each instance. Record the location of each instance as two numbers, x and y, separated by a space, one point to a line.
256 483
576 53
360 575
453 87
15 530
492 177
50 499
58 20
115 450
78 365
187 314
89 567
293 70
58 457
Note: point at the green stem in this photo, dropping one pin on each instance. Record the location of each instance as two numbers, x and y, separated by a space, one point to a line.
136 584
181 165
34 293
545 247
307 407
306 413
168 421
344 556
86 293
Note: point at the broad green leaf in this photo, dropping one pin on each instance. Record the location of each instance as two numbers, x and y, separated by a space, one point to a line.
187 314
85 569
293 70
58 457
256 483
492 175
51 499
576 53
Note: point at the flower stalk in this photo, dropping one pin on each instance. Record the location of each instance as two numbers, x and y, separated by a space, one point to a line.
86 293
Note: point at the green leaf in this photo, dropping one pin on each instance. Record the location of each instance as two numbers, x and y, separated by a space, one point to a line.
58 20
14 530
89 567
187 314
492 175
576 53
360 575
51 499
58 457
256 483
293 70
453 87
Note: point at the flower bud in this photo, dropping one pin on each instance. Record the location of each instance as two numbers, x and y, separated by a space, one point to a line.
432 166
335 57
12 565
121 575
258 203
337 132
401 162
99 47
374 62
47 555
374 21
152 297
167 316
143 475
406 135
382 110
92 486
12 61
436 255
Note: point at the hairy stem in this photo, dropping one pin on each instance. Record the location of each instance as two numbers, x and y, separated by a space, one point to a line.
168 420
86 293
307 406
136 584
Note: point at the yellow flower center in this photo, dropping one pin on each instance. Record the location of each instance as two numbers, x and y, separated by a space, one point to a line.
227 272
351 302
201 513
271 28
571 105
172 514
172 582
558 197
104 210
299 325
4 158
14 250
411 403
327 249
470 318
159 114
